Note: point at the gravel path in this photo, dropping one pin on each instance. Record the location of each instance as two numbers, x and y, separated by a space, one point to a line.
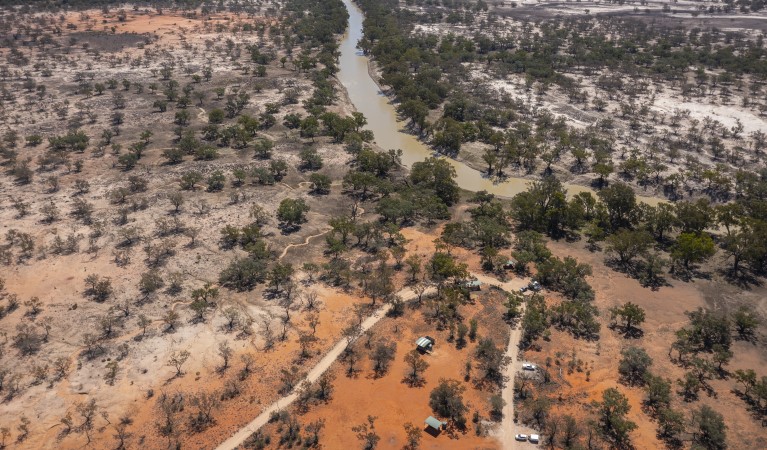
508 428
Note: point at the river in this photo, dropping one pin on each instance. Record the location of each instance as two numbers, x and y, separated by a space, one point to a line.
391 133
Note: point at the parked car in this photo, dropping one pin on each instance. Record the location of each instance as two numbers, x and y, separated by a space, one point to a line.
534 438
521 437
528 366
535 286
523 289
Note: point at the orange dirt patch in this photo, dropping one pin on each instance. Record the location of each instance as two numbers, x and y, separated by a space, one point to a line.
259 389
391 400
598 361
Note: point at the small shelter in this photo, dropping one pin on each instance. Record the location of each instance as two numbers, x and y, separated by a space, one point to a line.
510 264
424 343
434 423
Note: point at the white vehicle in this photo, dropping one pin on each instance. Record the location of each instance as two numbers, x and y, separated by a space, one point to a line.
521 437
528 366
534 438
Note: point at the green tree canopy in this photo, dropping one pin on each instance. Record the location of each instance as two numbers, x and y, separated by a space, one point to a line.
292 211
692 248
446 400
621 204
436 174
614 425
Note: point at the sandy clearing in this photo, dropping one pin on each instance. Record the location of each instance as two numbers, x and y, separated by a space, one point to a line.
726 114
507 430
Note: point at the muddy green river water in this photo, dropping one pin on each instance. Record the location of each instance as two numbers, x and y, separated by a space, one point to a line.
391 133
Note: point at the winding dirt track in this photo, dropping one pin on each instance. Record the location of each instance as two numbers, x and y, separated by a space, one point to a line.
306 241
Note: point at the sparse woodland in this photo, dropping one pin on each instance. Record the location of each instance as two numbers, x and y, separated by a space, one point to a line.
193 215
149 160
582 97
616 103
154 186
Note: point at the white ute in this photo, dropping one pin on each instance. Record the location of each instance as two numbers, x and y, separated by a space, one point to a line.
521 437
528 366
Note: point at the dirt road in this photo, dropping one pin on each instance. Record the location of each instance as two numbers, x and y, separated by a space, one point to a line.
314 374
508 428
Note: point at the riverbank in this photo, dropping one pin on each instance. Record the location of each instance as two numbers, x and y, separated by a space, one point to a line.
646 137
359 77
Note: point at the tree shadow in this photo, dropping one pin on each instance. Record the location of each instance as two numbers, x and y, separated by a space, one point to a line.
173 291
454 428
414 382
722 373
655 283
671 441
628 332
175 376
615 264
741 278
594 247
754 406
286 230
672 193
689 274
599 183
637 270
571 237
271 294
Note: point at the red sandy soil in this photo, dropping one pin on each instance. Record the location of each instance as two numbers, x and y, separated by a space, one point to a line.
393 402
664 314
168 25
258 390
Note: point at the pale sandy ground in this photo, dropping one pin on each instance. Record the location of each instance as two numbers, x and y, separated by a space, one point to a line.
659 99
728 115
58 280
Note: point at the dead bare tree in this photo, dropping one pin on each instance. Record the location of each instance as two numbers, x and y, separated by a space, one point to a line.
247 360
225 352
311 300
87 411
313 320
121 434
169 406
268 334
206 403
